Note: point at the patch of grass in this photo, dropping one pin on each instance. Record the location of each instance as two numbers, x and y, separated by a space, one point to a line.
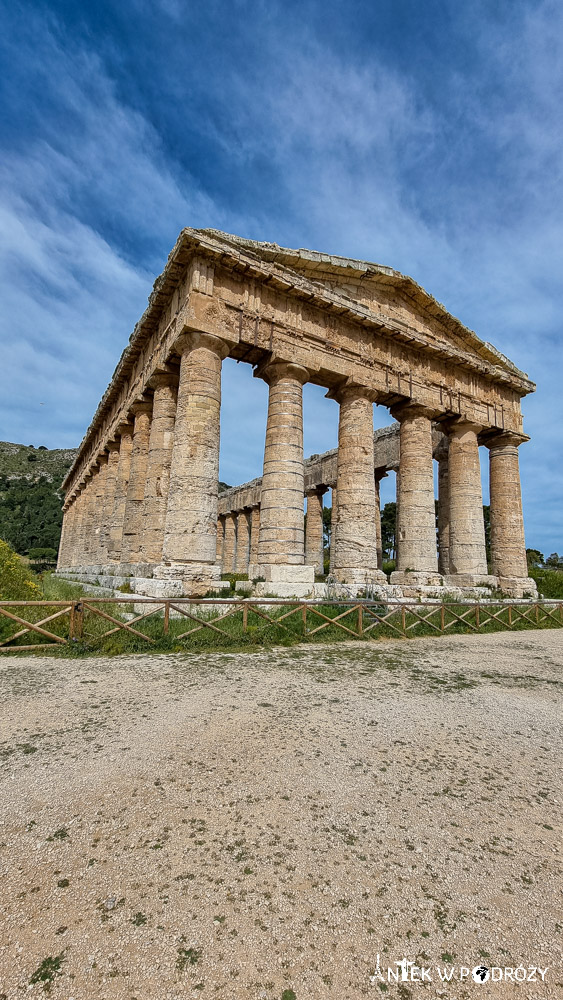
60 834
187 956
46 973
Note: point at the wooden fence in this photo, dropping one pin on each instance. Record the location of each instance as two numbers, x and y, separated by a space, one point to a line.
359 619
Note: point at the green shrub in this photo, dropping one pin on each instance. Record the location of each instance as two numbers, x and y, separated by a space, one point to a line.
17 582
549 581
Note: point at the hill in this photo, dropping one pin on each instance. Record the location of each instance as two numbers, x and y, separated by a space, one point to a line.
30 494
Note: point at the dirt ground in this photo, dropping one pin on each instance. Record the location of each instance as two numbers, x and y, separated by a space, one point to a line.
265 825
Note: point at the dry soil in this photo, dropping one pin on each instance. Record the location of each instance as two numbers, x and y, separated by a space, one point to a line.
265 825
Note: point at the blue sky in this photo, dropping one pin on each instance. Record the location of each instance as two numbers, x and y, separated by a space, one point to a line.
422 136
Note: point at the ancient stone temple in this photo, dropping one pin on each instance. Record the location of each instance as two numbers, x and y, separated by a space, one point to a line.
142 499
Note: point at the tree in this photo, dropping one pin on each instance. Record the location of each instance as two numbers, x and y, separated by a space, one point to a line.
388 530
534 558
327 526
554 561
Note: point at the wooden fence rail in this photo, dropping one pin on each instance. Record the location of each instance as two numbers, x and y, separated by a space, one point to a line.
359 619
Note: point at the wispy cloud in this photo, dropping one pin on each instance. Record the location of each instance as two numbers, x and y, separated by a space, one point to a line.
267 126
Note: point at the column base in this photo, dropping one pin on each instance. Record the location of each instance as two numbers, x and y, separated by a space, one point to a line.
357 577
416 578
282 579
470 580
513 586
196 578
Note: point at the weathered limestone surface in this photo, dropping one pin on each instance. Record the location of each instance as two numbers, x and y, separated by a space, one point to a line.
190 537
333 522
150 512
355 532
378 538
125 432
314 554
416 519
281 537
508 548
100 485
229 544
243 541
220 538
254 535
159 460
443 510
134 520
108 499
467 554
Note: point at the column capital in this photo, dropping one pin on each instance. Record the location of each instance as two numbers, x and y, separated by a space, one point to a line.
163 380
409 409
275 370
124 429
505 439
316 491
102 459
352 390
112 446
140 406
189 339
461 425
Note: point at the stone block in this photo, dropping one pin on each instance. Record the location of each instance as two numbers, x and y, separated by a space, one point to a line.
283 573
243 586
150 587
289 590
414 579
465 580
518 586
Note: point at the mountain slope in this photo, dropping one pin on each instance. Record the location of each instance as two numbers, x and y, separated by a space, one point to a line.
30 495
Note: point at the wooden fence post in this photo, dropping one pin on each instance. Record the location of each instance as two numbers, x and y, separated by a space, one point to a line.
76 620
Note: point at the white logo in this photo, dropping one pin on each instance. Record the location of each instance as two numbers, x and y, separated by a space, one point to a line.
480 974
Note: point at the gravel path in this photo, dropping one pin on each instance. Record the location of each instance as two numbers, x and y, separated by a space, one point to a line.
264 825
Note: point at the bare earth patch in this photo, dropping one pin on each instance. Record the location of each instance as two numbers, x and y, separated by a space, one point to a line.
263 825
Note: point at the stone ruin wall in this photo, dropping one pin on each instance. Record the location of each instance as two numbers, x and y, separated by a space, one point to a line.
142 496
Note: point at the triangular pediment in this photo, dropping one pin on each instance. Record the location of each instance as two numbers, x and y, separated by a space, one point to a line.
393 299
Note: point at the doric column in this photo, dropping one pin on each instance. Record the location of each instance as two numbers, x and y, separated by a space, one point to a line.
314 550
254 533
354 536
508 547
66 530
379 475
443 510
98 520
79 554
333 520
86 526
108 500
243 541
220 537
125 432
159 460
133 523
417 561
190 536
75 529
229 543
281 553
467 555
